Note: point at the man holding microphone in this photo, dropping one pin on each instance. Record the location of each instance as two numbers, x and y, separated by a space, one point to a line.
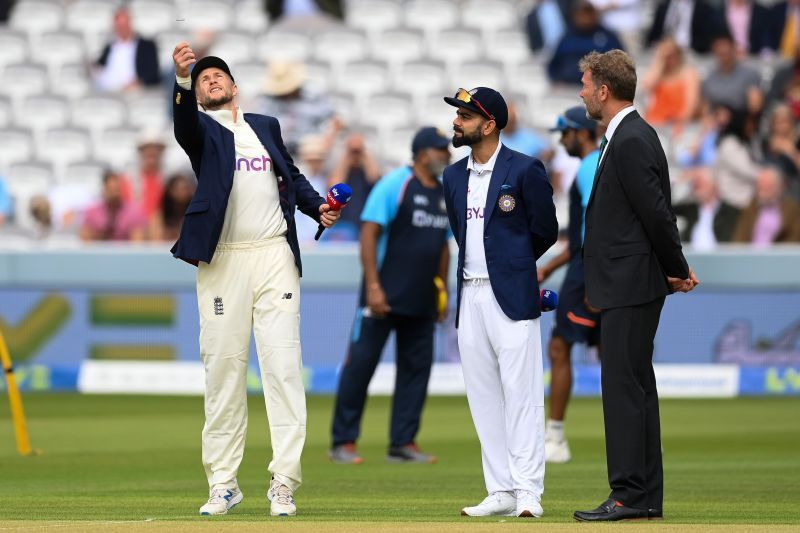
239 230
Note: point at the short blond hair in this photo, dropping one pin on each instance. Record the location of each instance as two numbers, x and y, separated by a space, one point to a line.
615 69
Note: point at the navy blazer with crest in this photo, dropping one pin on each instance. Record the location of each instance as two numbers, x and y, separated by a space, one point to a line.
211 150
514 236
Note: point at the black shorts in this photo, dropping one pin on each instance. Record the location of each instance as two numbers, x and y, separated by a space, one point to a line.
574 322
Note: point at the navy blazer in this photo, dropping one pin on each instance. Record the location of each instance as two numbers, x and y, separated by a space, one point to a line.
512 239
211 150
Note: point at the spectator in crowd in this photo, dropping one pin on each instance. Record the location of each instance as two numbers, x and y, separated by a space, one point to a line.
305 14
113 218
624 18
786 23
672 87
781 146
147 187
686 21
302 111
749 24
732 83
706 220
129 61
522 139
785 85
702 151
735 168
5 203
166 222
583 36
313 154
359 168
42 215
772 217
546 25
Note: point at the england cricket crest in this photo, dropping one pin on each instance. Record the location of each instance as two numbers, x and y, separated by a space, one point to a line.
507 203
218 309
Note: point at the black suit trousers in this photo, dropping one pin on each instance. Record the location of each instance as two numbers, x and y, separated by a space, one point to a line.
630 404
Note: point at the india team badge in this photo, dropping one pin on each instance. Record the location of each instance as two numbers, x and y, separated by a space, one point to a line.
507 203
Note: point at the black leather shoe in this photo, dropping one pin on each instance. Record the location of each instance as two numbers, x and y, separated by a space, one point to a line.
655 514
611 511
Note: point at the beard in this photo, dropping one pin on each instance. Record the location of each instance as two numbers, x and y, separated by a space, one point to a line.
593 112
213 103
467 139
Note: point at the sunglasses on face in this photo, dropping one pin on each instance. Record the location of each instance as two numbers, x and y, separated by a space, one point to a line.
463 95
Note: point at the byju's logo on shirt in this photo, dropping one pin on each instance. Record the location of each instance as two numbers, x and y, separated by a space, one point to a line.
474 213
254 164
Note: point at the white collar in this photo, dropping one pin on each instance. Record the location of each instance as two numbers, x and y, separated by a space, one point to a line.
614 124
489 164
225 116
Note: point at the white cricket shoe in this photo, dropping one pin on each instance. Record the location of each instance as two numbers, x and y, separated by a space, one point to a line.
556 451
528 505
222 500
281 499
495 504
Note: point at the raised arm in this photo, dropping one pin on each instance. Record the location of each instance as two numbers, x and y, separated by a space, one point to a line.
184 105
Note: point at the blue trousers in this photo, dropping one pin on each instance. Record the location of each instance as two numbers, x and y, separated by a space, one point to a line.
414 359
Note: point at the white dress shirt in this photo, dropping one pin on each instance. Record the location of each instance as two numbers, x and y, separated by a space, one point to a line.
477 190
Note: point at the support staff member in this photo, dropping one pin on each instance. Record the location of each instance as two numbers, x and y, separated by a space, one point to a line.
405 258
239 230
500 205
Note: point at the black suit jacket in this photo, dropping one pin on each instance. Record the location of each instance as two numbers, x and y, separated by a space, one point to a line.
631 243
703 20
146 61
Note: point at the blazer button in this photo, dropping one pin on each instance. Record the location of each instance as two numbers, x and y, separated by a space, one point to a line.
485 237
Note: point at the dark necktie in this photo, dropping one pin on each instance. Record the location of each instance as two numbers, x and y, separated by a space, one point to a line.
603 144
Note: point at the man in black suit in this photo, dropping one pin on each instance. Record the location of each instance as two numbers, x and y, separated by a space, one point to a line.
686 21
632 259
129 61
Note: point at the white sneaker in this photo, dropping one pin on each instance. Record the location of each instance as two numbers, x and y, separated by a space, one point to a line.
528 505
556 451
495 504
281 499
222 500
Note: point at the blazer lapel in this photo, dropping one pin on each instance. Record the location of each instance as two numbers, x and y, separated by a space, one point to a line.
281 168
460 203
501 167
631 116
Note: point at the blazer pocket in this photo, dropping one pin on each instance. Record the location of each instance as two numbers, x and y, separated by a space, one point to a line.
624 250
197 206
522 263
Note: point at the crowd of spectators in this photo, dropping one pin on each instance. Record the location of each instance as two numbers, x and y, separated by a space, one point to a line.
731 132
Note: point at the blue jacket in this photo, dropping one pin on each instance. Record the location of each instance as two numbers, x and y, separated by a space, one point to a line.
513 239
211 150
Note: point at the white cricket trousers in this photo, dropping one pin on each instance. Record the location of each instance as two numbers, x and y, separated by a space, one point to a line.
251 286
502 364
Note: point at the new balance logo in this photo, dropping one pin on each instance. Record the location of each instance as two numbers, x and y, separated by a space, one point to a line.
287 296
218 310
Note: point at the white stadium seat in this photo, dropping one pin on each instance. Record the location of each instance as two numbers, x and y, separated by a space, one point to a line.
363 78
395 145
6 117
116 147
149 110
374 16
97 113
478 74
456 46
319 76
250 16
87 174
431 15
72 80
16 145
13 47
59 48
340 46
233 47
151 17
42 112
398 46
250 77
283 45
28 79
36 16
489 16
90 17
435 112
385 111
62 146
423 79
509 46
202 15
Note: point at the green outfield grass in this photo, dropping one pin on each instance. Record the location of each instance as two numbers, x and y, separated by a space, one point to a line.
122 458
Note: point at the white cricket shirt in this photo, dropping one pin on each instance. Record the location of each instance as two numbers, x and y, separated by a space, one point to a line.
477 190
